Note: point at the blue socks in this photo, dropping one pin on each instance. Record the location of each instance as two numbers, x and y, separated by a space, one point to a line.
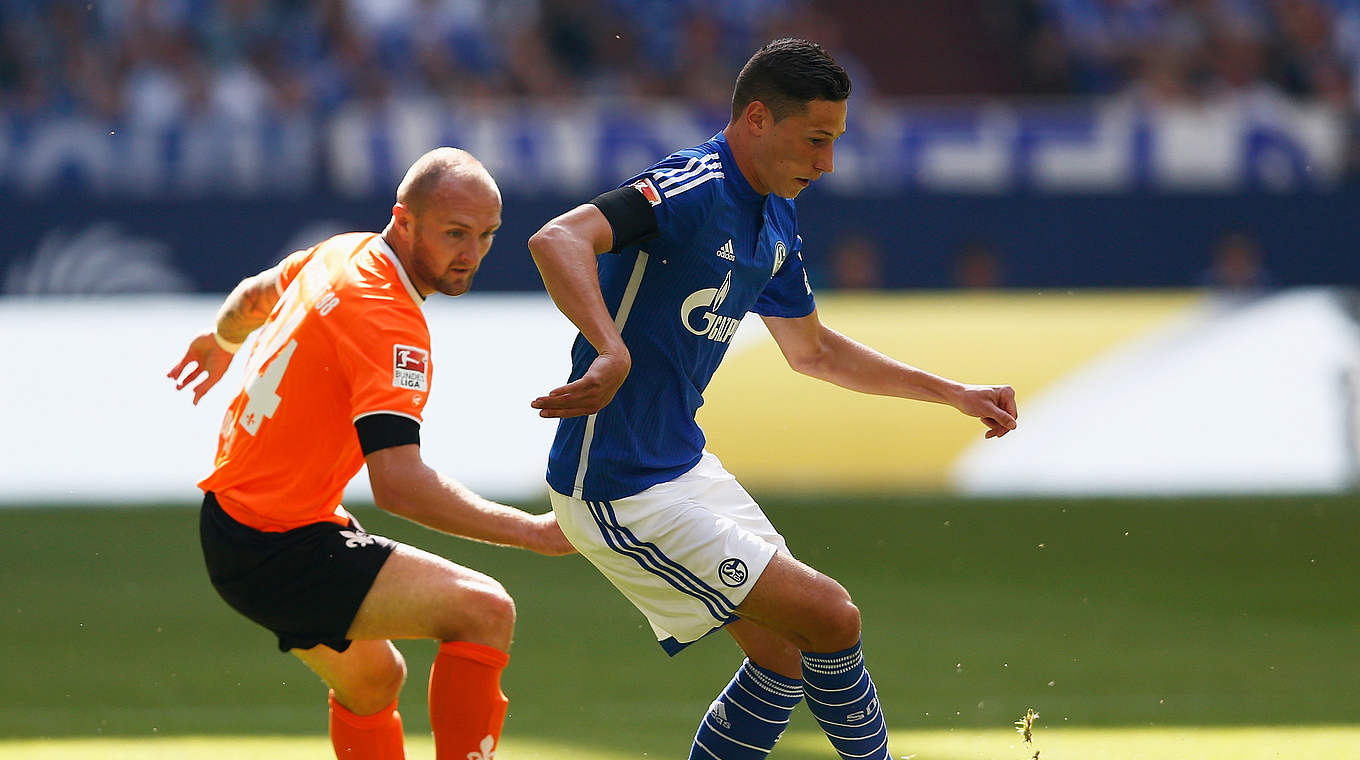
841 696
745 721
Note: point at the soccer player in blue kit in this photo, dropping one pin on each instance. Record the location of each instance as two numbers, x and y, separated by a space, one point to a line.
698 240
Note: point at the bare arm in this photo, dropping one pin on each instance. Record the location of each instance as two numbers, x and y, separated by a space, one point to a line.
405 486
208 356
816 350
248 305
564 251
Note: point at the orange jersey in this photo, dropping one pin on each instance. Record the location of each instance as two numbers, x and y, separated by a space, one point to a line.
346 339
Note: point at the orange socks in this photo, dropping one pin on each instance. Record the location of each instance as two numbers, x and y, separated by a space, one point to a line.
467 708
366 737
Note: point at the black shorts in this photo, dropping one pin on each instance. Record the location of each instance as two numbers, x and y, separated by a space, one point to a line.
304 584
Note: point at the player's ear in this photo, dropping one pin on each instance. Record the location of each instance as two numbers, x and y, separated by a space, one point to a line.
757 117
402 219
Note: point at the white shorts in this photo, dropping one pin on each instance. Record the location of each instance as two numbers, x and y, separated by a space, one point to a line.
685 552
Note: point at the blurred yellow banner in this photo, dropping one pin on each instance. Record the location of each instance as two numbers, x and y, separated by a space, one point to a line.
778 430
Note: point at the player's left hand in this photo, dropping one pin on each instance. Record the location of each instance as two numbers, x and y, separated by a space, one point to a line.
204 359
993 404
592 392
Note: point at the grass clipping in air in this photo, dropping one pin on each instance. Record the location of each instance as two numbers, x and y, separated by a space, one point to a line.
1026 728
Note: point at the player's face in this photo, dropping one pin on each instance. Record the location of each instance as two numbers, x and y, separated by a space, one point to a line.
452 235
798 148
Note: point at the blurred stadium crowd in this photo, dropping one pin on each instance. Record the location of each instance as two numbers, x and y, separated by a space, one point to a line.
147 61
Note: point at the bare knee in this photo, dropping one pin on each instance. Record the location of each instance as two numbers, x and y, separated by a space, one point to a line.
487 617
367 689
835 624
810 609
840 627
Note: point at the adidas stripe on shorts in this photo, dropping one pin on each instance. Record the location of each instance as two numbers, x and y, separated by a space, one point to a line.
685 552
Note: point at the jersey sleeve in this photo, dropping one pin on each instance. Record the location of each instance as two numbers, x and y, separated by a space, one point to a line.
681 195
292 264
789 292
384 352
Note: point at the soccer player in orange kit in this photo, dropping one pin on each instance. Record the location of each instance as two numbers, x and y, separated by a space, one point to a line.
338 378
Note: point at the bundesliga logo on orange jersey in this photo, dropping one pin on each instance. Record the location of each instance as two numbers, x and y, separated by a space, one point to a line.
410 367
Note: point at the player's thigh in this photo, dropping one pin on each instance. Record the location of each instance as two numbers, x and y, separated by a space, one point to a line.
366 677
419 595
803 605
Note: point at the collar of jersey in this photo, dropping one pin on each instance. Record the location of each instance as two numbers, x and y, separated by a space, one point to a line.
381 246
741 187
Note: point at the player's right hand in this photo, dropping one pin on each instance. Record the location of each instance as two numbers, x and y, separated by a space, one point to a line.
993 404
592 392
205 359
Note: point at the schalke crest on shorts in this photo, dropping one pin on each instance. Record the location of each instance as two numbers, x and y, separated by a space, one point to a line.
732 571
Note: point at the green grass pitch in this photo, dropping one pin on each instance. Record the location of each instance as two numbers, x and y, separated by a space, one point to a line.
1136 627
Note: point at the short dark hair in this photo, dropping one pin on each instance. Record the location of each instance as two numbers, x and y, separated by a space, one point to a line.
786 74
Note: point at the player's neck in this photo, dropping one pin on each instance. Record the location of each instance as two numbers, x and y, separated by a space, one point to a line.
403 253
741 148
389 236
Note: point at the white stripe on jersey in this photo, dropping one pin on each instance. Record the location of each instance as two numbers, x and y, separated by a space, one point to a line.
667 177
578 488
701 179
380 245
663 175
625 306
630 292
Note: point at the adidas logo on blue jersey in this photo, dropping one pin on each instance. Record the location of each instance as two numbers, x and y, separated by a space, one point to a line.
726 252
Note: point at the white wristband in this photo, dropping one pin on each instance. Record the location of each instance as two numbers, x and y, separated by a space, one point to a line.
225 344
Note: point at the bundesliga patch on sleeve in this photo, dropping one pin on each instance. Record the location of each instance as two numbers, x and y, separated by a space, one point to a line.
410 367
648 190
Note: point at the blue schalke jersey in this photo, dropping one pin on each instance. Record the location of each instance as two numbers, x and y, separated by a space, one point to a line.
722 250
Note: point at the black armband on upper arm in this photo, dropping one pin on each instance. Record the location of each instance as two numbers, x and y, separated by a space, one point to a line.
629 213
383 431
